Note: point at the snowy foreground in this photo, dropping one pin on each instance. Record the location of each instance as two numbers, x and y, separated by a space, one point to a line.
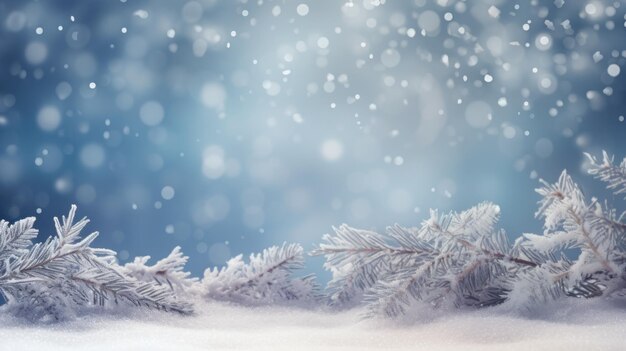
579 325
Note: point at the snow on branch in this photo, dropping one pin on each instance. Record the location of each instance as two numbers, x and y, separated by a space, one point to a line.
355 258
588 226
62 276
459 258
266 279
572 222
168 271
609 172
464 260
52 279
454 259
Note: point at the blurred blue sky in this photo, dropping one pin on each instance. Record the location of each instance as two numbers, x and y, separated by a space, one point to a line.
228 126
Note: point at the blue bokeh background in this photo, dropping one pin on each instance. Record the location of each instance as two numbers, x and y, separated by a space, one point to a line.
228 126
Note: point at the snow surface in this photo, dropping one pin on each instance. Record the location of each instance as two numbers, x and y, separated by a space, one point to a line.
575 325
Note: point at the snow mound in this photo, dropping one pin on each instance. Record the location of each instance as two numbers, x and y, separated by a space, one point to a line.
570 325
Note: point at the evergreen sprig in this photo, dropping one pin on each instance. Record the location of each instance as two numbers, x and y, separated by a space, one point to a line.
462 259
455 259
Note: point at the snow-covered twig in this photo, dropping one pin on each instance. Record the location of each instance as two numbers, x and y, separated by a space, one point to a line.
461 258
50 280
609 172
168 271
573 222
265 279
458 259
61 276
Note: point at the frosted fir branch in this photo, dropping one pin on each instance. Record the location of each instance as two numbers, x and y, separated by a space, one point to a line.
266 279
16 238
572 222
463 260
471 230
472 263
356 257
459 257
391 295
58 278
612 174
53 279
168 271
535 287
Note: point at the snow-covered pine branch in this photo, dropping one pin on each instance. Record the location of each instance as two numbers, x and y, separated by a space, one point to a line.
61 276
588 226
609 172
459 257
52 279
266 279
356 257
168 271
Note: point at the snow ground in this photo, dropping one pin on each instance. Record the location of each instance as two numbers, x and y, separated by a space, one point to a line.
577 325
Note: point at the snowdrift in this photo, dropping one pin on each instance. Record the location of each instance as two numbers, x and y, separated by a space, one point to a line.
571 325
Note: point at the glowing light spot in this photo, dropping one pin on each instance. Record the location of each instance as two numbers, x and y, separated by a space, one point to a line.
613 70
151 113
168 192
332 150
49 118
302 9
